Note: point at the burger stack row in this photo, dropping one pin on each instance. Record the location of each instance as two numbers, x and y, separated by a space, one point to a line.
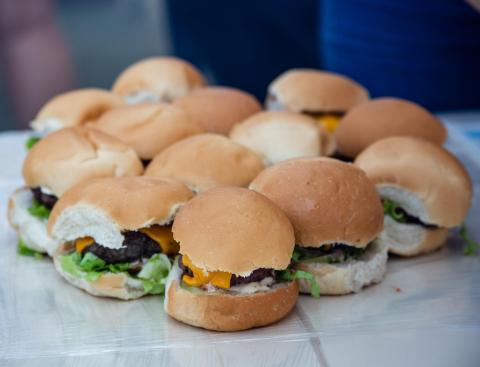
167 186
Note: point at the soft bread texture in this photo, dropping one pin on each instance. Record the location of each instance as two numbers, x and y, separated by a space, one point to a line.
234 230
326 200
311 90
410 239
348 277
32 230
225 312
206 161
384 117
422 177
113 285
280 135
161 79
103 208
148 128
218 109
74 108
71 155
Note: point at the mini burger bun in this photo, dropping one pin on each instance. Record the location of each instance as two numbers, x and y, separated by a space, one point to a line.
205 161
348 277
166 78
326 200
384 117
235 230
75 108
423 178
148 128
218 109
71 155
226 312
308 90
104 208
281 135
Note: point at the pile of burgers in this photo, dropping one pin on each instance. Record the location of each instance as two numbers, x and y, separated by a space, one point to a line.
164 185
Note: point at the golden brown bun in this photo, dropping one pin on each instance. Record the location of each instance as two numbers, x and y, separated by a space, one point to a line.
148 128
426 173
225 312
75 108
205 161
235 230
166 78
315 91
327 201
218 109
281 135
384 117
68 156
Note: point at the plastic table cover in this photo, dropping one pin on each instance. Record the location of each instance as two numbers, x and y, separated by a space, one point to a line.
425 312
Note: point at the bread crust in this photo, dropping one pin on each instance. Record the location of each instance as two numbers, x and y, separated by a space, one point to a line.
225 312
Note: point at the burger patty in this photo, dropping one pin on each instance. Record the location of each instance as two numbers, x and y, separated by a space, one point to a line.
136 246
316 114
44 199
256 276
410 219
337 252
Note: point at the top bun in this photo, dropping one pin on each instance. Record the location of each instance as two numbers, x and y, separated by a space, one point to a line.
327 201
422 177
308 90
205 161
234 230
217 109
281 135
148 128
104 208
68 156
74 108
157 79
384 117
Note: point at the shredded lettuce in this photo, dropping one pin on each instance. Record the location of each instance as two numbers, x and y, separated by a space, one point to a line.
471 247
154 274
290 275
39 210
390 208
24 250
31 141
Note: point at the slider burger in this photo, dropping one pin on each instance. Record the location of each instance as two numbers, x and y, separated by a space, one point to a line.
116 234
281 135
205 161
72 108
52 166
336 214
323 95
384 117
148 128
424 189
218 109
234 245
157 79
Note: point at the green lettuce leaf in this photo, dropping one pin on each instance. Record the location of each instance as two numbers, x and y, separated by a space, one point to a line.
24 250
154 274
39 210
71 264
31 141
290 275
471 247
390 208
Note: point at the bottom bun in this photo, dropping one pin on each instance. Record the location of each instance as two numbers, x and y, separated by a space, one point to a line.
349 277
32 230
410 239
114 285
227 312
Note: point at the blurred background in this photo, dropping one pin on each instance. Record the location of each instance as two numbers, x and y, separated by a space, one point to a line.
426 51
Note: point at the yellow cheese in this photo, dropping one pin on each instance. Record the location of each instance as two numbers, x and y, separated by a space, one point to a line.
82 243
329 122
164 237
219 279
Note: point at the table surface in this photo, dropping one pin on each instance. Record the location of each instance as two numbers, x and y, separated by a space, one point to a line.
425 312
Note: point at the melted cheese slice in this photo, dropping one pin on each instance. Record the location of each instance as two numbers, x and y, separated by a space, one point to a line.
329 122
219 279
82 243
164 237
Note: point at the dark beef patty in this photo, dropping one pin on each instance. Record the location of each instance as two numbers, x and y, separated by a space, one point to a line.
45 199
